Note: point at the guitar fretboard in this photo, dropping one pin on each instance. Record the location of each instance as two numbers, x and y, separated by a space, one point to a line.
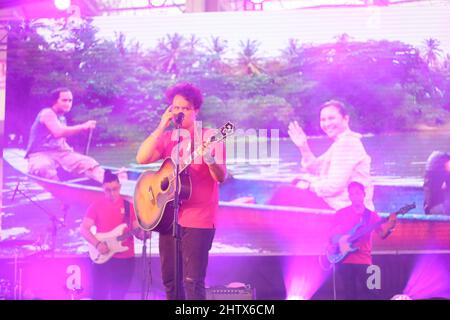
363 231
222 133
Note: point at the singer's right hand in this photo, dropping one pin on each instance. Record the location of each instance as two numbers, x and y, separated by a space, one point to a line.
166 118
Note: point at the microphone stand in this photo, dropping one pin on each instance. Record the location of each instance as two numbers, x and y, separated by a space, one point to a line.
55 222
334 281
176 227
145 269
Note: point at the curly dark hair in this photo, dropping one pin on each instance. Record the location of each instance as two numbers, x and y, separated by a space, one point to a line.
188 91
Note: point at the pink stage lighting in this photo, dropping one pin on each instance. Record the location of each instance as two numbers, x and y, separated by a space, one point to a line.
430 278
295 297
401 297
303 277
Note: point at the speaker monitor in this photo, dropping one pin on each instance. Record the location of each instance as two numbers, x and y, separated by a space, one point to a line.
224 293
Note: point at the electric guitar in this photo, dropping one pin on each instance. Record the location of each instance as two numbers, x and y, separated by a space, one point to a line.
342 245
114 240
154 193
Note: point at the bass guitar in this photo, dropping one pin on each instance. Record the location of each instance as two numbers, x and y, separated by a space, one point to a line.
342 245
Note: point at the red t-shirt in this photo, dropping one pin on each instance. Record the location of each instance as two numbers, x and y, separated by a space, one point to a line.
344 221
108 215
200 210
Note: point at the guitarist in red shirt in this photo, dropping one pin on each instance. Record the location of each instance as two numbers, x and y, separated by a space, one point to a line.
111 278
352 269
197 215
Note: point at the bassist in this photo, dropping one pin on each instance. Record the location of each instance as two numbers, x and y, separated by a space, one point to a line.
352 270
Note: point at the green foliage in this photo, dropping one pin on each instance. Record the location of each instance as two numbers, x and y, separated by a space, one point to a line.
261 112
387 85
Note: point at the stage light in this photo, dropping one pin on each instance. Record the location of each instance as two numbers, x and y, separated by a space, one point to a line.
296 297
401 297
157 3
62 4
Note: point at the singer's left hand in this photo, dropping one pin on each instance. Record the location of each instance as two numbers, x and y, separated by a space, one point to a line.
207 153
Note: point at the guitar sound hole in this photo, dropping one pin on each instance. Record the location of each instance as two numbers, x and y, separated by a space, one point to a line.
164 184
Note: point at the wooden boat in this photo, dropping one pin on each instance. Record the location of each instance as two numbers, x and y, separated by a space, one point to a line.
245 218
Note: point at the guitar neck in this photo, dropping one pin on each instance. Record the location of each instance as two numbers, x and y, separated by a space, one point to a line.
127 234
192 156
366 230
220 135
361 232
198 152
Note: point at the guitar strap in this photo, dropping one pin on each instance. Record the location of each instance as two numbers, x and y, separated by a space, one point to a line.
126 216
366 217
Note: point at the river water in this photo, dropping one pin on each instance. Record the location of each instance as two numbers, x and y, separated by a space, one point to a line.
395 156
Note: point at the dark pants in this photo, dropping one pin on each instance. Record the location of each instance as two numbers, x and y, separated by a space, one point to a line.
353 278
195 246
112 279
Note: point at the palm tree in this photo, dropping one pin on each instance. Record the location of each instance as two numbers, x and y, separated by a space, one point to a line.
192 43
170 49
216 47
343 38
293 58
432 52
248 59
120 40
446 64
292 51
191 57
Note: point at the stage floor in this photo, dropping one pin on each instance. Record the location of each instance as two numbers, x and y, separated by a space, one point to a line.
422 276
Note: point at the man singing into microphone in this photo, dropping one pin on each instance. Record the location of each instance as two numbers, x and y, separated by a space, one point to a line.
196 215
47 146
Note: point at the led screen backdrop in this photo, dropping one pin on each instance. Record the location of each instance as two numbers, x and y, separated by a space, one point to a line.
260 70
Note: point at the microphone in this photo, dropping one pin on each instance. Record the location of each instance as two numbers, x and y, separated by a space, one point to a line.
15 191
179 118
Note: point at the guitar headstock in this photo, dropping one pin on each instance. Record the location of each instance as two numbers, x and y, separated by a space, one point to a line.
406 208
224 131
